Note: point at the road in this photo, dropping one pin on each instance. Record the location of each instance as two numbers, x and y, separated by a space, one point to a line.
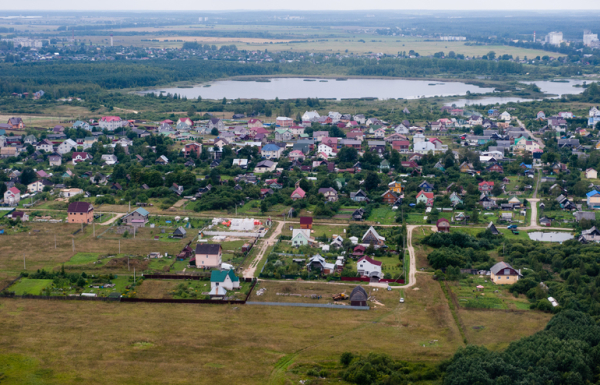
249 272
111 220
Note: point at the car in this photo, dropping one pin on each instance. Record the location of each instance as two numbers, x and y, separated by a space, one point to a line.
511 227
401 300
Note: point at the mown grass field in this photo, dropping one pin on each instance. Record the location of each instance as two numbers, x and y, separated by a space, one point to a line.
30 286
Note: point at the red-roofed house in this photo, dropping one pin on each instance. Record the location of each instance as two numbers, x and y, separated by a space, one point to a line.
306 222
296 155
80 157
401 145
259 130
186 121
193 148
12 196
368 267
298 194
443 226
486 186
111 123
425 197
255 123
80 212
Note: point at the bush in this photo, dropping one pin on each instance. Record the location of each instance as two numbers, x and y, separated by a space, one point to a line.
346 358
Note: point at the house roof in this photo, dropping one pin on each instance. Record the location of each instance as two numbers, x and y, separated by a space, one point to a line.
79 207
299 191
442 220
427 194
14 190
271 147
500 266
371 261
206 248
306 220
374 232
220 276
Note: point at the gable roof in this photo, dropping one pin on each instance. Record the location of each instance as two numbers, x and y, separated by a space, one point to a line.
206 248
306 220
299 191
371 261
358 294
79 207
219 276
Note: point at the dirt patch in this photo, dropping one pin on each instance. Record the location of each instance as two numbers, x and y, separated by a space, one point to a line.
121 263
152 288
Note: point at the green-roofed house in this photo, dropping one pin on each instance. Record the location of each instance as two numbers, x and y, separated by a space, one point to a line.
283 135
225 279
136 218
384 166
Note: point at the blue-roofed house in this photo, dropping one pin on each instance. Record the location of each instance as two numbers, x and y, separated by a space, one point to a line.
526 166
82 124
593 199
271 151
136 218
426 186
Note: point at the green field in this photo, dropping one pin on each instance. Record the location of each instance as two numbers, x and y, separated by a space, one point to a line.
492 296
30 286
82 259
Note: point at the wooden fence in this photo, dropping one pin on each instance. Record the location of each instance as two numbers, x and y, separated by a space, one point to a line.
59 297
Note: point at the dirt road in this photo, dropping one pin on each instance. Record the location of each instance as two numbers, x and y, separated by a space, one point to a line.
249 272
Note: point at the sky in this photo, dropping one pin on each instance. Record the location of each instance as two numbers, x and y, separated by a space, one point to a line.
200 5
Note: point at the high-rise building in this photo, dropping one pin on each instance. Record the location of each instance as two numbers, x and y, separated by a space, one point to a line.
589 38
554 38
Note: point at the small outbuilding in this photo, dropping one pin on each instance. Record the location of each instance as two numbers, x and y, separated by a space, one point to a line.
443 225
179 233
358 297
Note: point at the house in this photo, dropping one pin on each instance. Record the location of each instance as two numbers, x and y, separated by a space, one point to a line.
326 150
318 264
296 130
426 186
66 146
12 196
111 123
367 267
283 135
207 256
242 163
283 121
80 212
297 194
590 173
389 197
255 123
265 166
492 229
216 123
310 116
485 187
425 197
79 157
187 121
330 194
358 296
504 274
402 146
225 279
545 221
395 187
70 192
443 225
306 222
496 168
109 159
271 151
38 186
384 166
541 115
23 216
587 215
455 199
565 203
505 116
16 123
162 160
593 199
358 214
296 155
301 237
55 160
136 218
373 238
44 145
359 196
486 202
194 149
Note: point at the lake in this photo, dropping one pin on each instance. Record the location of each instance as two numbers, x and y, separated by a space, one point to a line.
298 88
556 88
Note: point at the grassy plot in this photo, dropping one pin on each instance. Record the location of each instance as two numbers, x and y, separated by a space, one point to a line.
82 259
492 296
30 286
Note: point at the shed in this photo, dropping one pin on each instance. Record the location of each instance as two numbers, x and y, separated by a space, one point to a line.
358 297
179 233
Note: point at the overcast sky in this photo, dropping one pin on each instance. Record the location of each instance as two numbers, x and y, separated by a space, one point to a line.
199 5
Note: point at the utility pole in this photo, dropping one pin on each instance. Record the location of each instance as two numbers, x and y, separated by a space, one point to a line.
73 241
119 246
24 265
94 225
128 269
134 275
55 241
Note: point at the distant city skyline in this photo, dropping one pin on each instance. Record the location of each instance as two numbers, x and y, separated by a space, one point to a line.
306 5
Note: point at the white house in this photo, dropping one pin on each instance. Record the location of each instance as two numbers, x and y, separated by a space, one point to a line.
505 116
271 151
325 149
44 145
310 116
12 196
66 146
225 279
369 267
423 147
265 166
335 116
70 192
418 138
590 173
36 186
111 123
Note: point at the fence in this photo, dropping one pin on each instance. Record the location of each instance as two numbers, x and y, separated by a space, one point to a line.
234 234
367 279
298 304
60 298
182 276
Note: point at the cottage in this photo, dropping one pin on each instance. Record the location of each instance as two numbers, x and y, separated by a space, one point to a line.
79 157
23 216
358 296
486 187
179 233
389 197
12 196
359 196
80 212
425 197
136 218
373 238
216 123
492 229
265 166
368 267
207 256
443 225
590 173
225 279
593 199
504 274
301 237
111 123
329 193
271 151
298 194
55 160
318 264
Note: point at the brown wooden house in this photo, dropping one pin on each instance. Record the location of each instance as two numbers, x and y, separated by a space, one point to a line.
306 222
